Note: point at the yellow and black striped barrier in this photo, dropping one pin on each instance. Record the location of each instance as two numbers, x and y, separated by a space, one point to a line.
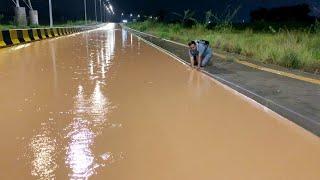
18 36
48 33
2 43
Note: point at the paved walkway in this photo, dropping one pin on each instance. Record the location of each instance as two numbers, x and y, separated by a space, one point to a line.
294 99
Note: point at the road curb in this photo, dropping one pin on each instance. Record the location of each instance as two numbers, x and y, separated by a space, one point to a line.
19 36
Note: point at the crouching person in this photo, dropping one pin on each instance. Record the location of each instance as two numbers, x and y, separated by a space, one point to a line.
200 53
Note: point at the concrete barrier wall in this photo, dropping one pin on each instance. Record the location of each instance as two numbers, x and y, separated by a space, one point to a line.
18 36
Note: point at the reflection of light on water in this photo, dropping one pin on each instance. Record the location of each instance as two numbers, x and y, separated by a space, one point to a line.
90 108
107 52
104 55
90 112
109 26
54 67
90 59
17 47
98 57
91 67
44 149
139 45
109 47
103 72
124 34
79 155
98 102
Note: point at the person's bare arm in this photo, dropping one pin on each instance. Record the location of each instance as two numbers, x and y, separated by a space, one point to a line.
199 61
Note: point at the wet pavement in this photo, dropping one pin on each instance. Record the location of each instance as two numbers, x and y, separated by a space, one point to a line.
294 99
105 105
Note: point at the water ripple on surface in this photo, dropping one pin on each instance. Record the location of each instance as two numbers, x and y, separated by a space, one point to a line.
44 150
90 111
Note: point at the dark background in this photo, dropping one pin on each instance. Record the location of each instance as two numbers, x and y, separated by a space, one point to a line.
64 10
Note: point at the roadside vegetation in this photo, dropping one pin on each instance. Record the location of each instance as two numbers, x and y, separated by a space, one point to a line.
290 45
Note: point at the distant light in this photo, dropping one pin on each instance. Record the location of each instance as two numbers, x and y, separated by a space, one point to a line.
121 14
138 16
131 15
151 17
125 21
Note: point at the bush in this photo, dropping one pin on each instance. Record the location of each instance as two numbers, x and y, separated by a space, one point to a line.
1 17
317 26
227 47
143 28
291 60
237 49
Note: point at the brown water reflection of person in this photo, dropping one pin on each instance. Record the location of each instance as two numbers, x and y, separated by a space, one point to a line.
198 82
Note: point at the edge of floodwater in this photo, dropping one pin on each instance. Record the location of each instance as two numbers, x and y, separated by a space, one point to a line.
304 123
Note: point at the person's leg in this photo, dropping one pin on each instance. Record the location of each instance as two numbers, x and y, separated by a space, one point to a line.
206 59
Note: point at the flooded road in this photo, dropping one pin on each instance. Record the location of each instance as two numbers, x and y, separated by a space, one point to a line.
105 105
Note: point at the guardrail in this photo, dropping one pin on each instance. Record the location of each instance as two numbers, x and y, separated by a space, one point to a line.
18 36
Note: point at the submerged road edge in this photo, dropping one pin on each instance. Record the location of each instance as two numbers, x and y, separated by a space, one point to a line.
307 124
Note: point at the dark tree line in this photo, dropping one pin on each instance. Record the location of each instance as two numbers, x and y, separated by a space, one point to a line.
298 13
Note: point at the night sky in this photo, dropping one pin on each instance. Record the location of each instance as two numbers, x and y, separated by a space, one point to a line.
73 9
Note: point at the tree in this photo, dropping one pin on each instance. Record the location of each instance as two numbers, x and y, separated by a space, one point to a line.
226 17
209 16
187 18
1 17
28 4
298 12
316 8
16 2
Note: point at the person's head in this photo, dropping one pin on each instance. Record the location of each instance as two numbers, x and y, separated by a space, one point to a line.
192 45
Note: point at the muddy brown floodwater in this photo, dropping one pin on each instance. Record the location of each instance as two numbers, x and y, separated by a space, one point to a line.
106 105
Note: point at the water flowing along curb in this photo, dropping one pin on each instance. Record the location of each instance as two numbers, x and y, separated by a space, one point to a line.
301 120
18 36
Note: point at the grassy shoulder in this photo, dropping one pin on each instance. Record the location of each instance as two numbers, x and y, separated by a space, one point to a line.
296 49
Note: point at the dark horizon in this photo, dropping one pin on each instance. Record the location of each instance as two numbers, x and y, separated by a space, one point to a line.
62 11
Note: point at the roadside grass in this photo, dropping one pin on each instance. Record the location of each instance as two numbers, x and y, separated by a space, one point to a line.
296 49
6 26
